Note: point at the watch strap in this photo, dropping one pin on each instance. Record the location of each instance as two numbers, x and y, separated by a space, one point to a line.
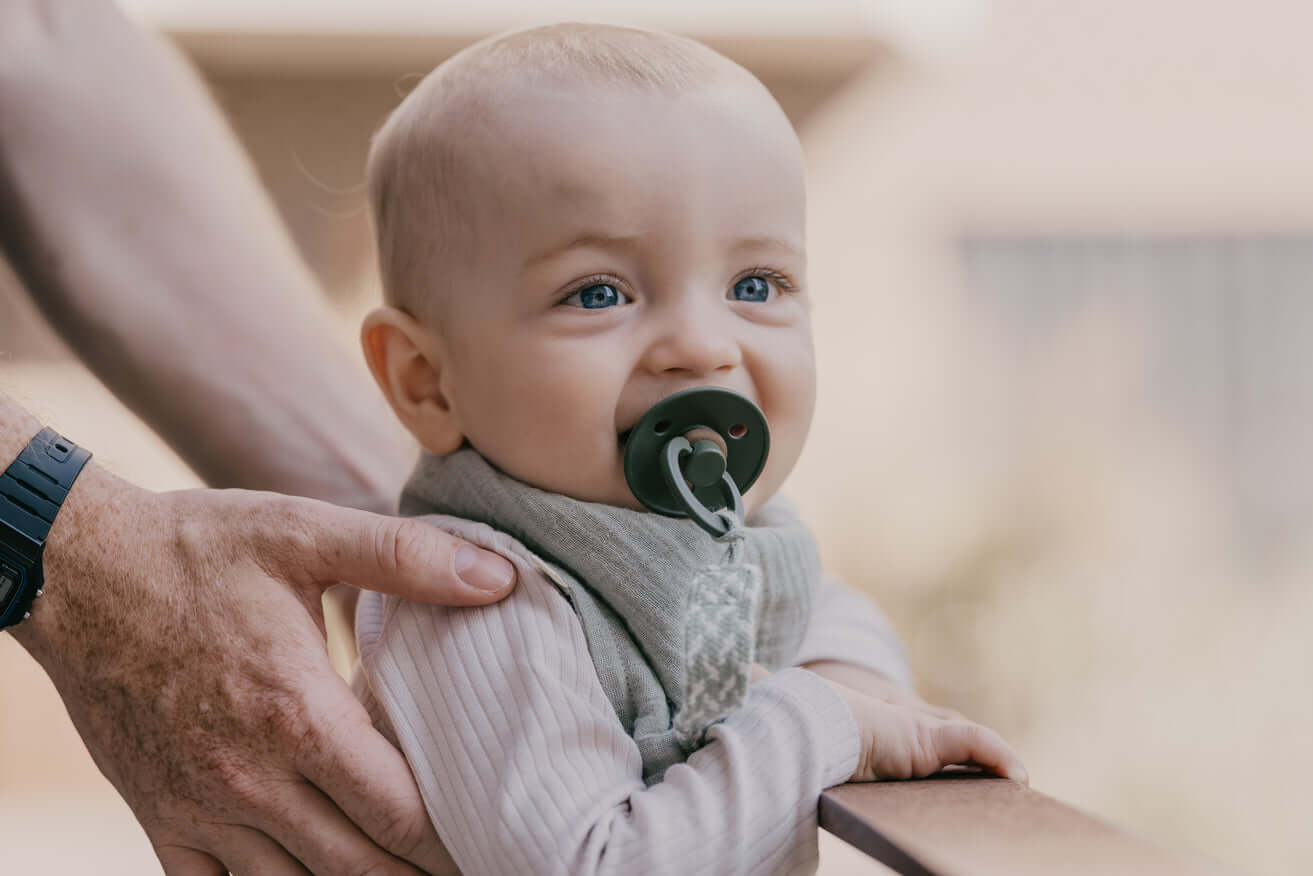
32 490
34 487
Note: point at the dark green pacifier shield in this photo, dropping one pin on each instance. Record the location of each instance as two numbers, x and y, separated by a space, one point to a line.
735 418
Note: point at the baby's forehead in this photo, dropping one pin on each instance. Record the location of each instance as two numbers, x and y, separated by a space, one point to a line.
517 103
622 150
576 138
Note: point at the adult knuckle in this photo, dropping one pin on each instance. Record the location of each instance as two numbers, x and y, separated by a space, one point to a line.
273 719
402 829
281 533
287 720
385 545
398 545
197 537
289 522
237 784
317 737
371 867
192 537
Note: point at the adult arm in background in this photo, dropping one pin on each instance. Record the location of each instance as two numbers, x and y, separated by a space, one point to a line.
139 226
183 631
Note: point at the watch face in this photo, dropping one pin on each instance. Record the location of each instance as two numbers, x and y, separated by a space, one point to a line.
8 583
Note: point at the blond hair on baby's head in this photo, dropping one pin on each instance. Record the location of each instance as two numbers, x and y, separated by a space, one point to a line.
417 191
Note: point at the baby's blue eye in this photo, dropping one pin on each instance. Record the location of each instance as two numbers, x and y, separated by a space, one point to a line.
753 288
596 297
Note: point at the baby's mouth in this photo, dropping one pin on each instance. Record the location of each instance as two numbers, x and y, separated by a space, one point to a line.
623 437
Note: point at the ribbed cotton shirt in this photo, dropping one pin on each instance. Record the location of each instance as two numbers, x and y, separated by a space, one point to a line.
525 768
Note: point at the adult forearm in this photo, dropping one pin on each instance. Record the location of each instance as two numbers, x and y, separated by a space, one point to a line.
140 228
16 429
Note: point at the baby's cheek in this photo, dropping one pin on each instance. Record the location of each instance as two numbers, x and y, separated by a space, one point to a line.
790 401
550 438
782 365
789 413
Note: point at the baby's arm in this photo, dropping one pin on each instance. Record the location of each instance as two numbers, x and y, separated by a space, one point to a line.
850 641
848 628
525 768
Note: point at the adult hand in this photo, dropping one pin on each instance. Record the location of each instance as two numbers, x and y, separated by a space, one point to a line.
184 633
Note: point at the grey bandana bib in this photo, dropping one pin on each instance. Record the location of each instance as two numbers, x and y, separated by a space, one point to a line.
673 618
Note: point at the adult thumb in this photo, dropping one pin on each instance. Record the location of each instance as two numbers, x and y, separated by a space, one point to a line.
400 556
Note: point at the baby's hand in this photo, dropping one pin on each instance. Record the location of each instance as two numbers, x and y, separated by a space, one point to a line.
910 740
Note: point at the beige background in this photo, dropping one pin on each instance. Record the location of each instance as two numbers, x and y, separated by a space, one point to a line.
1038 463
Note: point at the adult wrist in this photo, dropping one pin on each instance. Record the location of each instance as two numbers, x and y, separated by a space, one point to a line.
79 540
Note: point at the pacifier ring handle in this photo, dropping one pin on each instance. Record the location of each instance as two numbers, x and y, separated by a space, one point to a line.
672 455
740 453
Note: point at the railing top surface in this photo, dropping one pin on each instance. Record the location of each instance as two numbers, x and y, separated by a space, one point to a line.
965 824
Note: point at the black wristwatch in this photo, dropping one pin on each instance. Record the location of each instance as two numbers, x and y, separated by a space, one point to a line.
32 490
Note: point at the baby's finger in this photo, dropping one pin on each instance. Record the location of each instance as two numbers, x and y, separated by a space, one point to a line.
968 743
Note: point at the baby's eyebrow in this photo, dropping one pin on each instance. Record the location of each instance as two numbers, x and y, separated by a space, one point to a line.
765 241
594 239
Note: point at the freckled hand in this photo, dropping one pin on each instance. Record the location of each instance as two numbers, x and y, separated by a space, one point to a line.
184 633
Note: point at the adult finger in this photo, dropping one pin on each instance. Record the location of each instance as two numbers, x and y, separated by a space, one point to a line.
973 744
181 861
369 780
321 837
408 558
248 852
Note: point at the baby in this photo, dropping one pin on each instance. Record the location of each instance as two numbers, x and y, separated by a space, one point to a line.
575 222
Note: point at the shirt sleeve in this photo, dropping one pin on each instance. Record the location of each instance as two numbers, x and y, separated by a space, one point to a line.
525 768
848 627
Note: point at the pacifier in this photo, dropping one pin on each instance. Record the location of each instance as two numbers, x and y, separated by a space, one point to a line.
674 476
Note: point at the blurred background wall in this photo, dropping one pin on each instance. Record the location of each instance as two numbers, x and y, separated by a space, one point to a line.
1062 259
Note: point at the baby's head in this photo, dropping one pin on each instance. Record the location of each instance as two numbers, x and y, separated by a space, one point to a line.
575 222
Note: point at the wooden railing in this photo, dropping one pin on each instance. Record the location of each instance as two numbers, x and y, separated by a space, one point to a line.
966 824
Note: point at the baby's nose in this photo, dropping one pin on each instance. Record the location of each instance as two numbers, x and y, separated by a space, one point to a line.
695 346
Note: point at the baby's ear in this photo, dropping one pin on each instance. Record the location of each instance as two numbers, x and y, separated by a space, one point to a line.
406 361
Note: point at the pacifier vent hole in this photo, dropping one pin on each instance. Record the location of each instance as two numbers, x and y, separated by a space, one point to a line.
662 427
738 430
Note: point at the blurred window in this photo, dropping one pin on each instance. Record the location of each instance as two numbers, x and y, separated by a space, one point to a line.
1225 326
